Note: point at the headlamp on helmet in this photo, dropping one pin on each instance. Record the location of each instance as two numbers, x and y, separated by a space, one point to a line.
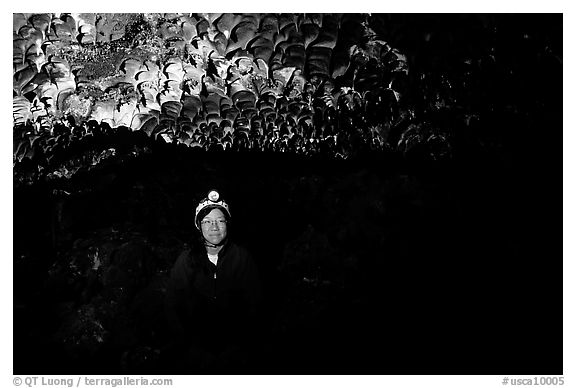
212 201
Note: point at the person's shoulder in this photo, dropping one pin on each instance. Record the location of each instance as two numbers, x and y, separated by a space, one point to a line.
242 256
239 250
243 262
184 259
184 254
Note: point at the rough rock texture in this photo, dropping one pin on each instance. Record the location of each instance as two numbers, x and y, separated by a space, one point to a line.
339 85
188 70
297 83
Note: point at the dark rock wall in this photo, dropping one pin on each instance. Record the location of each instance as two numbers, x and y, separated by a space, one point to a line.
364 264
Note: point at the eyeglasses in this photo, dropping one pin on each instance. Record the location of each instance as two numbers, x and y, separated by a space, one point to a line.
208 223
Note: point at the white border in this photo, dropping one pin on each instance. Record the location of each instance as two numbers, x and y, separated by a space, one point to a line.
421 6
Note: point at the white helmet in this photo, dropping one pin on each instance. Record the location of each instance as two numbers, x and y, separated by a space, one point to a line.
212 201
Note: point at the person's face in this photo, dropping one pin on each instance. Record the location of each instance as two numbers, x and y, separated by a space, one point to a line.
214 227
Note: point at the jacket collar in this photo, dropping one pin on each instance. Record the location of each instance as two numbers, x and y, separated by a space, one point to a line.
221 255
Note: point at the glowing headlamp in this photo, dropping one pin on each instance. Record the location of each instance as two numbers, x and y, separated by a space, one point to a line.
213 196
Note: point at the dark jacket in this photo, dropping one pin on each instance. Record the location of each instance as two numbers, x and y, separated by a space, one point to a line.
210 304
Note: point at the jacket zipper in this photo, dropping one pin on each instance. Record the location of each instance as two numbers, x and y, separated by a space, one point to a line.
214 283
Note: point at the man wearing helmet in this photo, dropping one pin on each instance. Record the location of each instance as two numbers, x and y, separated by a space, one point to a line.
214 289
